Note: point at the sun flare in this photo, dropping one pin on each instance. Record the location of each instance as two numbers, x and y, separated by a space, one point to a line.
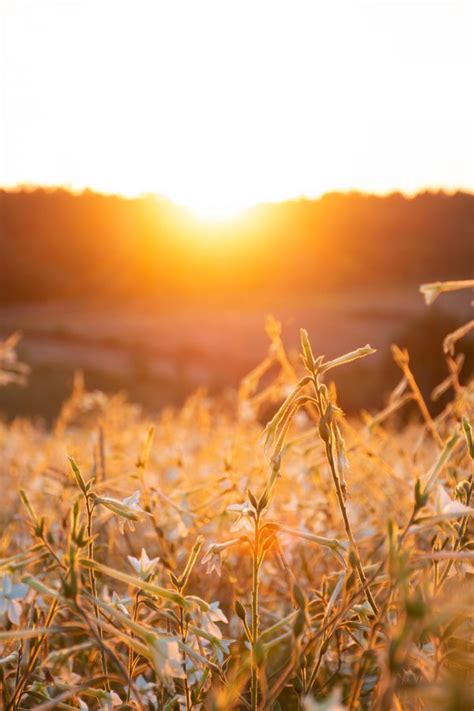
219 106
215 210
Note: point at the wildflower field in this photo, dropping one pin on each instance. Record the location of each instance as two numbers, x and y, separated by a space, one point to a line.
264 553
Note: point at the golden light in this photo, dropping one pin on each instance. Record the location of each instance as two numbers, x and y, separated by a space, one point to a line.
220 106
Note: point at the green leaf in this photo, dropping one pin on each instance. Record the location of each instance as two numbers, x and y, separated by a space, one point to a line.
468 434
154 590
80 481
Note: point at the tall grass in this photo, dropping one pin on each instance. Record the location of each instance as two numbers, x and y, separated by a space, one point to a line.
201 561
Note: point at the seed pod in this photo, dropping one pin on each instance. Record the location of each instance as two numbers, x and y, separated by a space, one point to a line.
299 597
324 429
468 434
298 627
79 480
297 685
263 501
308 356
240 610
252 498
421 498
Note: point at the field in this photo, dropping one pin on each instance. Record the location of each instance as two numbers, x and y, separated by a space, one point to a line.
161 352
257 550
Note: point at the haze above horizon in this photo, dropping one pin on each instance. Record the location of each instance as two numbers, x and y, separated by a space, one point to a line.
221 106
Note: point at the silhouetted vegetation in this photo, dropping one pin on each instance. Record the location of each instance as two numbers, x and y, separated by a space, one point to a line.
56 244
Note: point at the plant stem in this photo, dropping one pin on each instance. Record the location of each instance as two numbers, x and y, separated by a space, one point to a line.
348 529
187 692
461 534
131 654
255 617
93 584
342 504
21 683
402 359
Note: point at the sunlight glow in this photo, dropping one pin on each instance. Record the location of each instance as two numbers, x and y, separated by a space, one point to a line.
219 105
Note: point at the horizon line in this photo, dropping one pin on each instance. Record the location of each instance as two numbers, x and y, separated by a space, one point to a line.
302 197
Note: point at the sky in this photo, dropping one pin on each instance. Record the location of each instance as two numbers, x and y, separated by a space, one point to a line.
219 105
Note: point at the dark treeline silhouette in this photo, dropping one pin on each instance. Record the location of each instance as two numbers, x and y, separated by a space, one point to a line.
55 244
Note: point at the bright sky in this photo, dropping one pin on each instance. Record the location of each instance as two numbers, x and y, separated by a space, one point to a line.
221 104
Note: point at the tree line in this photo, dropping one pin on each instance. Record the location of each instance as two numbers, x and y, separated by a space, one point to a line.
57 244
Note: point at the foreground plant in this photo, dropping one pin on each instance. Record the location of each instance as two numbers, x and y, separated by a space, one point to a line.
321 586
328 428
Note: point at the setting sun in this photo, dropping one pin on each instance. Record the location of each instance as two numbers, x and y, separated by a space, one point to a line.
220 106
235 439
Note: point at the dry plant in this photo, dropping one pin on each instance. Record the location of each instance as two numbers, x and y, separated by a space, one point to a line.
192 563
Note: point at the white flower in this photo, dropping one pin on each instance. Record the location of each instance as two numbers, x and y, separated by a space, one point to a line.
146 689
222 648
120 603
144 566
9 595
213 559
210 617
128 509
448 508
213 555
244 513
194 674
108 700
166 659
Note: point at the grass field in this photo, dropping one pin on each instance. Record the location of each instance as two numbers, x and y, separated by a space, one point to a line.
160 353
199 560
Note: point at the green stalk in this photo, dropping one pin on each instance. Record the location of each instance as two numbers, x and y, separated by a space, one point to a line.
342 504
131 654
93 584
255 621
182 629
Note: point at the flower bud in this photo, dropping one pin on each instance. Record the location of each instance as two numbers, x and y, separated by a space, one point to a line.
324 429
240 610
297 685
299 597
300 621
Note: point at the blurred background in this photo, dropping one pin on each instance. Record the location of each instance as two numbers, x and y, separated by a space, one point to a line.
147 299
317 163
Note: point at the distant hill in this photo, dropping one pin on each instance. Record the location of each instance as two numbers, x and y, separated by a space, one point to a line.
55 244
